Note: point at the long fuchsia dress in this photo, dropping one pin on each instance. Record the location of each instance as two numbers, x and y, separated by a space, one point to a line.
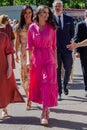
8 88
43 78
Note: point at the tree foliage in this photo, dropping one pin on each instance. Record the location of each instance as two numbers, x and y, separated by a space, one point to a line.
67 3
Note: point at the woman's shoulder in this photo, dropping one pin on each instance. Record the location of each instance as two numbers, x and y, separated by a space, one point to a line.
33 25
17 29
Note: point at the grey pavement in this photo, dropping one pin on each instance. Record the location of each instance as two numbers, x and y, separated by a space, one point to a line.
70 114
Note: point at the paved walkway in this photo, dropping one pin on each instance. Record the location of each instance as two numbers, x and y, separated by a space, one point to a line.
71 113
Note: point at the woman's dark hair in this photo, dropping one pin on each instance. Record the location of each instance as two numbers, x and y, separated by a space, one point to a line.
22 19
51 17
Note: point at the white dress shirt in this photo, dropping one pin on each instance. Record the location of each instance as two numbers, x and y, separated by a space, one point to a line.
61 18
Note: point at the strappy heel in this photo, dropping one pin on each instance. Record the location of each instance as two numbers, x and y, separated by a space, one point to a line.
45 117
4 113
28 105
47 113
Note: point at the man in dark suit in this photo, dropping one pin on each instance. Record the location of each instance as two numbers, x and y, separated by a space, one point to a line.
80 35
65 33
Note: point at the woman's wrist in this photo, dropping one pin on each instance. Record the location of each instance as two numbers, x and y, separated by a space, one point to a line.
16 55
28 63
10 66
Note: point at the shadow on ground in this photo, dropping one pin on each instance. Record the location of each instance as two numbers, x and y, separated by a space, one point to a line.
52 122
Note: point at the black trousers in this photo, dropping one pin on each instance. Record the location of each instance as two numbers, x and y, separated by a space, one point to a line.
83 59
66 59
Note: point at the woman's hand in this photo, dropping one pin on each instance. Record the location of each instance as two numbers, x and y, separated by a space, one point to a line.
17 59
9 72
56 65
28 65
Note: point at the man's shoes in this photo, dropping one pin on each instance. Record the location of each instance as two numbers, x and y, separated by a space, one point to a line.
85 93
59 97
66 92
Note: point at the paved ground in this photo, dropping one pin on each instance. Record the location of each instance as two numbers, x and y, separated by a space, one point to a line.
71 113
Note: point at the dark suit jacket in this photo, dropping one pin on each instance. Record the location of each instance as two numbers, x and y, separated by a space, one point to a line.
65 35
80 35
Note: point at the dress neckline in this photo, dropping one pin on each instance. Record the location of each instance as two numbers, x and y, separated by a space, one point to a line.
41 30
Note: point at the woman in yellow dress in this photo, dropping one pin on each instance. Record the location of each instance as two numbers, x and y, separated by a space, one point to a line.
26 17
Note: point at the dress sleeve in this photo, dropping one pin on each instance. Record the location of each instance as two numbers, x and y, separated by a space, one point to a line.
30 40
9 32
8 47
54 40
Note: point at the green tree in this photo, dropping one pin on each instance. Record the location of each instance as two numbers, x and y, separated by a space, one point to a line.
4 2
67 3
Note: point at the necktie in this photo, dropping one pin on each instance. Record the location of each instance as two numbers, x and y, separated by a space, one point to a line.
60 25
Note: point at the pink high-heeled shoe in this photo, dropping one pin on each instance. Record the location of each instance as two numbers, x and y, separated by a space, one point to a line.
45 117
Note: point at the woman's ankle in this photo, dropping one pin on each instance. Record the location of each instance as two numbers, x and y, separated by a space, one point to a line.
4 109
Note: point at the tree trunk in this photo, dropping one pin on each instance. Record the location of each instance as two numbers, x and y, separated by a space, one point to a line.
11 2
51 2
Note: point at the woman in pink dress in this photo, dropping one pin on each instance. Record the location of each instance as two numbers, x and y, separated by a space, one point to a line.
42 51
8 87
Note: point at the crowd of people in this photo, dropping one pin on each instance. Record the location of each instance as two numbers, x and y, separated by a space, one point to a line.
45 39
